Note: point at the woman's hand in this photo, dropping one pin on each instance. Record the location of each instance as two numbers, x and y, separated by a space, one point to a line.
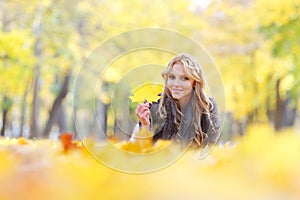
143 113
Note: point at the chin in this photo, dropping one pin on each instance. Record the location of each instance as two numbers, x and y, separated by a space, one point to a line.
176 97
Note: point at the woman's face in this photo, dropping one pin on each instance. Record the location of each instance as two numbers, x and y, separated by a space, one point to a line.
179 84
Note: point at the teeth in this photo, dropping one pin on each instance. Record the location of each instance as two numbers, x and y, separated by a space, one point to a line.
177 90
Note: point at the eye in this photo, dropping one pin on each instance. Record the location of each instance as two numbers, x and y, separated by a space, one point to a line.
185 78
171 76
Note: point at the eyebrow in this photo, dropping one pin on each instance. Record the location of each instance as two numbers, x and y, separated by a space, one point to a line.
177 74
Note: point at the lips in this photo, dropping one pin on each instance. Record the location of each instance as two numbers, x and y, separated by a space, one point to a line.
176 90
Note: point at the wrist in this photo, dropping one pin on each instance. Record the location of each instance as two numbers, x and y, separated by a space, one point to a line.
145 126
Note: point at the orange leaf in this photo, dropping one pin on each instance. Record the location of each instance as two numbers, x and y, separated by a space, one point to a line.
66 140
22 140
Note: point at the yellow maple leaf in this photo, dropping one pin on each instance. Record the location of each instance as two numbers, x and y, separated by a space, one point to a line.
147 92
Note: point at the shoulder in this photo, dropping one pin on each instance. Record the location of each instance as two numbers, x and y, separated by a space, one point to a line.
212 101
213 104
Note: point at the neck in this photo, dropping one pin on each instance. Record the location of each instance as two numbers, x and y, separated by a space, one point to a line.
185 101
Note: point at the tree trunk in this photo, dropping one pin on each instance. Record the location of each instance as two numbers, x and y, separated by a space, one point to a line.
269 110
23 108
279 108
101 120
38 54
74 120
4 115
285 113
6 106
57 104
35 104
122 128
289 113
61 119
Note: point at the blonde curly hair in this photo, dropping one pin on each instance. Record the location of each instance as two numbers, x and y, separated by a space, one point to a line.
201 103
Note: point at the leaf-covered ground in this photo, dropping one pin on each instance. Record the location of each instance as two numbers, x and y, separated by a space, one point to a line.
261 165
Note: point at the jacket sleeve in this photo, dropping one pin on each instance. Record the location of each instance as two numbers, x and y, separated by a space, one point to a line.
135 131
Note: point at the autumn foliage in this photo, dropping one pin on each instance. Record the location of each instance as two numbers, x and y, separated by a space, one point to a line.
68 142
261 165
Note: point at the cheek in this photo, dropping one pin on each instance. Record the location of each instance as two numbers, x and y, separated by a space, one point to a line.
189 84
169 83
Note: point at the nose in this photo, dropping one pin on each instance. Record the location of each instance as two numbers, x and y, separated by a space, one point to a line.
176 82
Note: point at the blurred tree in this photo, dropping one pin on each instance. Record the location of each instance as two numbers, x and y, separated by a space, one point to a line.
282 29
253 45
36 31
109 18
16 59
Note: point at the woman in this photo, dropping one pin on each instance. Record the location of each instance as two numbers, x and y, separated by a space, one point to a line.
184 112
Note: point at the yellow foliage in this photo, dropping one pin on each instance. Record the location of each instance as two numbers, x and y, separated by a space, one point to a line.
261 165
278 12
16 61
112 75
148 92
143 143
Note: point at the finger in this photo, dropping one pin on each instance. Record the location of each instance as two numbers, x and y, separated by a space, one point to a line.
145 112
141 108
138 108
144 119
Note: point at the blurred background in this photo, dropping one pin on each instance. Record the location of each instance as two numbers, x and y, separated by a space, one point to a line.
43 45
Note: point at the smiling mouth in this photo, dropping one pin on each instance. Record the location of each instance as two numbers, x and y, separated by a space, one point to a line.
176 90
